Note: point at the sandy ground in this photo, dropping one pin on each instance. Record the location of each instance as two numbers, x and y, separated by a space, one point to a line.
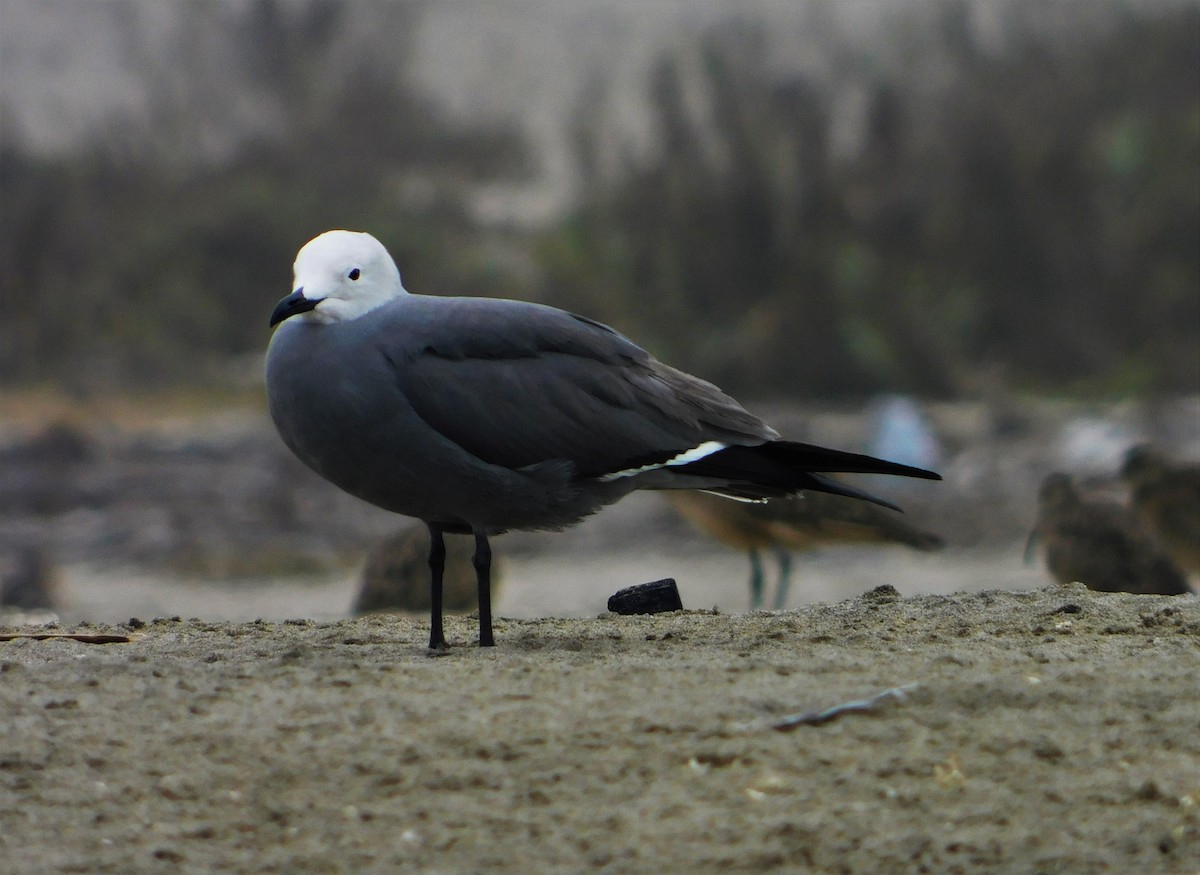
1052 730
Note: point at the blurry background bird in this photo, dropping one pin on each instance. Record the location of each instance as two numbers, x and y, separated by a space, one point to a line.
785 525
1166 498
1099 544
396 575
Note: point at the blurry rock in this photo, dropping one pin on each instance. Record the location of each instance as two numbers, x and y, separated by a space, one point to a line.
1099 544
1166 498
57 443
784 525
396 575
40 475
656 597
30 581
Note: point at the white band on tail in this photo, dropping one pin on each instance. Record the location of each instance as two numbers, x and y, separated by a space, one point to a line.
686 457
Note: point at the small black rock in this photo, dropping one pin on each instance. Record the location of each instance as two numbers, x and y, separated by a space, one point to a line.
656 597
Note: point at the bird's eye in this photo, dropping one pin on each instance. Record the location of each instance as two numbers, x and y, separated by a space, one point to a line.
354 274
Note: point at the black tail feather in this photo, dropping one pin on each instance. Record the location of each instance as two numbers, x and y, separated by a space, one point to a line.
784 467
810 457
836 487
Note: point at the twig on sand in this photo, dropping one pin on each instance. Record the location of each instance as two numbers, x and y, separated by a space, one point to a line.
819 718
73 636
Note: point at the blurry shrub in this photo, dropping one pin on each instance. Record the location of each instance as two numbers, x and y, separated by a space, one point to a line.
1037 208
141 262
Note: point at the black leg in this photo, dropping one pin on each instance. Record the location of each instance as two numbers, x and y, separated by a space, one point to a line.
483 577
437 564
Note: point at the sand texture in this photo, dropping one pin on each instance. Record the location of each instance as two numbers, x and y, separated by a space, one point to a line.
1055 730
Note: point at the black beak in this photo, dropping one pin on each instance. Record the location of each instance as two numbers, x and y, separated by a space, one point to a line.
291 305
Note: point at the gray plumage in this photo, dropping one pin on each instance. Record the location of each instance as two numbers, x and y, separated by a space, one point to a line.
512 409
479 416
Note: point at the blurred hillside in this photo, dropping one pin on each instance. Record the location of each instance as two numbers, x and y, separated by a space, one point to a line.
813 199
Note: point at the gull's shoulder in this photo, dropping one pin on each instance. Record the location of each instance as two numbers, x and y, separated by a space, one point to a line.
471 327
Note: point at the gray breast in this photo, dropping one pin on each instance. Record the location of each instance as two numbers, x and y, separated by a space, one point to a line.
339 396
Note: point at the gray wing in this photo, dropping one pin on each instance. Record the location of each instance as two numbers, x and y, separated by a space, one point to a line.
519 384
